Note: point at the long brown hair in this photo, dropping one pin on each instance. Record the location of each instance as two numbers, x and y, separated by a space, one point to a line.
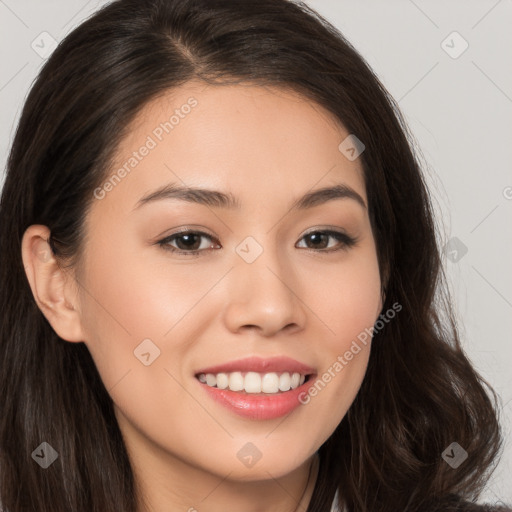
420 393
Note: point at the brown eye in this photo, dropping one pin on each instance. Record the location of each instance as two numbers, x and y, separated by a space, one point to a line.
192 241
187 242
319 240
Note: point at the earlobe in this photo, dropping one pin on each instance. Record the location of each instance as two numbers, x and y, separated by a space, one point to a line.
53 287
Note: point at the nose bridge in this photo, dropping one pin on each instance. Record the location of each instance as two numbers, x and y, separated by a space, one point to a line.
263 270
262 286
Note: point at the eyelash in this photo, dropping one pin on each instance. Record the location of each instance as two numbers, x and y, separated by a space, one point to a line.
346 241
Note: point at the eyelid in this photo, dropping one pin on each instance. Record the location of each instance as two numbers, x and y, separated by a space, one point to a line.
325 229
190 228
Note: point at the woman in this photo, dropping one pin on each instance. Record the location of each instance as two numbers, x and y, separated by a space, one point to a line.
220 283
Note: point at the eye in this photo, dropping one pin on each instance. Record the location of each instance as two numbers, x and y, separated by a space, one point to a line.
320 240
194 242
187 242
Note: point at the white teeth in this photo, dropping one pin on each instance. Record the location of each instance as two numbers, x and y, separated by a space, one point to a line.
284 382
253 382
236 381
270 383
222 381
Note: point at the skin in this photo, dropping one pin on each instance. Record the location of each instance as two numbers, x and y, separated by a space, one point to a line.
267 147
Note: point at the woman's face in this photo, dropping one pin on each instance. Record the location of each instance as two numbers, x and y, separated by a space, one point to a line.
268 288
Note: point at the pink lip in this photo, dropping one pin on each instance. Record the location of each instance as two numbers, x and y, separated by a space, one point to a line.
260 365
260 406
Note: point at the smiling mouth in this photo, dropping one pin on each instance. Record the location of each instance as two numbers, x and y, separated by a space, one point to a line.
254 382
258 388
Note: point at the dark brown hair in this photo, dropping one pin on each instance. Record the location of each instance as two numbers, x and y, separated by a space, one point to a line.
420 392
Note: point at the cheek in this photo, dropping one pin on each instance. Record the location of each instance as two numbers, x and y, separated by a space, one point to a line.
349 300
122 305
350 305
131 294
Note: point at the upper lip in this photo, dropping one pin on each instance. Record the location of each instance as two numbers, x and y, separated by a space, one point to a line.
260 365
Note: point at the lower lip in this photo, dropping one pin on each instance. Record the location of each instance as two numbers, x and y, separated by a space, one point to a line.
260 407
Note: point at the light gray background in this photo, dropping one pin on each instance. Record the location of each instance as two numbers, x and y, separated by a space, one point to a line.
460 113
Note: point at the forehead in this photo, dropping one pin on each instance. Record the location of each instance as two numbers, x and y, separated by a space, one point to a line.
258 142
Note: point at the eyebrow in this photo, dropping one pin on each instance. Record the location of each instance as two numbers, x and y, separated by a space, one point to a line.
215 198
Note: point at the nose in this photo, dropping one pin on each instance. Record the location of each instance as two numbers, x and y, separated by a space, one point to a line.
265 296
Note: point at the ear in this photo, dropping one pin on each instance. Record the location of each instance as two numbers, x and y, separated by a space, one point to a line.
53 287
